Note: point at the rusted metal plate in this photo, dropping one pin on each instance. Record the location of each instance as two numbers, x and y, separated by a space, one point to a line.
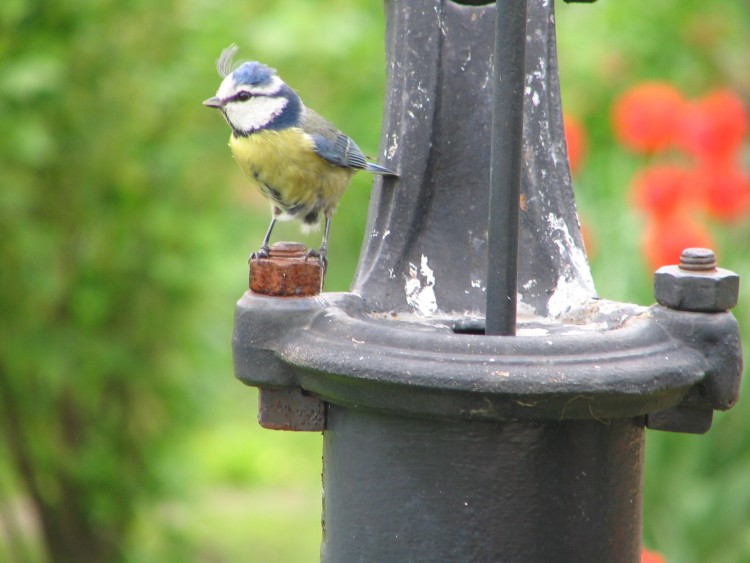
290 409
287 272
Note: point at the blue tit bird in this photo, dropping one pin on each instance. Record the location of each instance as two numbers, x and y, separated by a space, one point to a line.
292 155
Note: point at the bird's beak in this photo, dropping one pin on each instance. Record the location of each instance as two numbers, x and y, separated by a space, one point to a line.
214 102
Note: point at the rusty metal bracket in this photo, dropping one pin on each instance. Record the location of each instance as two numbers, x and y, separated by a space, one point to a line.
286 274
290 409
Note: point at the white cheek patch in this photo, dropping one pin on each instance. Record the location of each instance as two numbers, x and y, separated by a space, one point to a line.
255 113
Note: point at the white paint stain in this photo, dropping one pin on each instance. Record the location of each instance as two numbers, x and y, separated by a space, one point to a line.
575 284
524 309
393 147
420 288
568 295
532 331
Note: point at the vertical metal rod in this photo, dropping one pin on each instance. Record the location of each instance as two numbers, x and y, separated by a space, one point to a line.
505 173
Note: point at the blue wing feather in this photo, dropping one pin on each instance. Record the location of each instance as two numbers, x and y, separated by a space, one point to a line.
335 147
341 151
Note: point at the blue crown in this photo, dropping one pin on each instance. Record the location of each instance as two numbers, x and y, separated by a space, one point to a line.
253 73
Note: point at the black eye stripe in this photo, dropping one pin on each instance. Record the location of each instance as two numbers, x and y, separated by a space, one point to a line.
241 96
244 96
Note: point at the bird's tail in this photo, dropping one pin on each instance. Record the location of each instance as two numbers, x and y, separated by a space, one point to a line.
377 169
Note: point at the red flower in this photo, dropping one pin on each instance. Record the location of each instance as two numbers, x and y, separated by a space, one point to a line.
665 238
725 190
654 116
575 139
662 190
713 127
647 118
651 557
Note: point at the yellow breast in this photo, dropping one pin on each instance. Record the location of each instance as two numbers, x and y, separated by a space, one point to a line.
285 168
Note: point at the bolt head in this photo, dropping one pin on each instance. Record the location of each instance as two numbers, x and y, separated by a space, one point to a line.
708 291
698 259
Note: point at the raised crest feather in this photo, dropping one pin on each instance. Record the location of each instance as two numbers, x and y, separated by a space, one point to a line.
225 64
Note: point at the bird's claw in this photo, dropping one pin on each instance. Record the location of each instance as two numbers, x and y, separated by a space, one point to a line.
320 255
263 252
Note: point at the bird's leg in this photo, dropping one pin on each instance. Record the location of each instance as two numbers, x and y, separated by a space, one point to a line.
323 251
264 248
324 244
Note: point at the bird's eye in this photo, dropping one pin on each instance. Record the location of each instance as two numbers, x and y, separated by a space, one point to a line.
243 96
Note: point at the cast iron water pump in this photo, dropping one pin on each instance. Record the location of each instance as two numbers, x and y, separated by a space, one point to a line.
478 401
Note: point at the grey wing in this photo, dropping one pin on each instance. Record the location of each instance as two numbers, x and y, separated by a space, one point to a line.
331 144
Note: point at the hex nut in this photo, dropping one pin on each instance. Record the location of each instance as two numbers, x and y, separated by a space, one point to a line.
704 292
286 272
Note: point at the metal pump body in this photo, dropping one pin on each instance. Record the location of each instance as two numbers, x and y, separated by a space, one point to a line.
442 443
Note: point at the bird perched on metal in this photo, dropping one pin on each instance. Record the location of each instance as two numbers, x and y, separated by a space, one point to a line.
292 155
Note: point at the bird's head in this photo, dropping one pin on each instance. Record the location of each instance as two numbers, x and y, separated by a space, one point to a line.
252 96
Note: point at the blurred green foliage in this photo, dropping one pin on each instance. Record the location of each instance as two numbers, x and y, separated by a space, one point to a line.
124 231
103 219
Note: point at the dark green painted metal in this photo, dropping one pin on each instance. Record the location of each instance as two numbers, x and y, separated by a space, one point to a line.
442 443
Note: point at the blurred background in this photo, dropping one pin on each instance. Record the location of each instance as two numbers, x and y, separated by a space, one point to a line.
125 228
